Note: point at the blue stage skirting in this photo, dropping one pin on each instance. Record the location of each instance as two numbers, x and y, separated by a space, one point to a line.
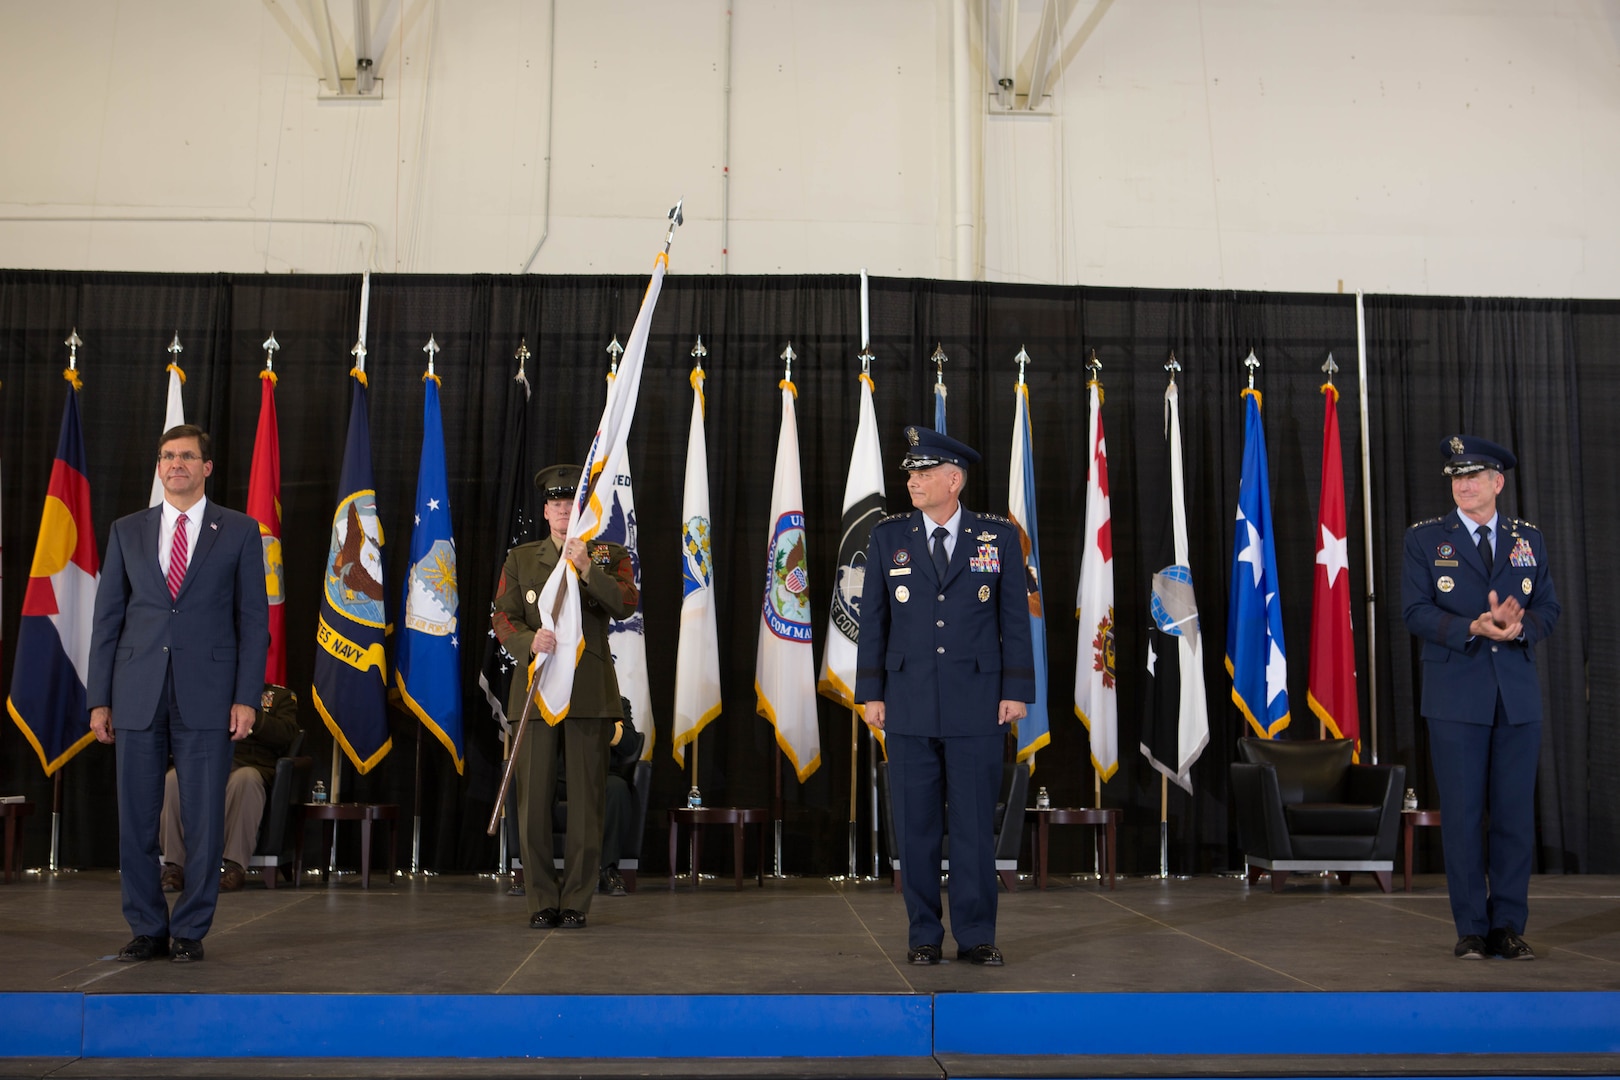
807 1026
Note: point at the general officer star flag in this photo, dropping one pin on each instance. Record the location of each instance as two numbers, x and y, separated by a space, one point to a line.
1255 657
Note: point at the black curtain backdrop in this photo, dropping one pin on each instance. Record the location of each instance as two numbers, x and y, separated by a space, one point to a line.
1537 375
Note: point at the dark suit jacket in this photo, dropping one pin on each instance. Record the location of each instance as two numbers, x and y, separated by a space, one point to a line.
1445 586
217 631
608 592
943 656
274 730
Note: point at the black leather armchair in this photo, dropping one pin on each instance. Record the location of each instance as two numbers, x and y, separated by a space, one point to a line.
1009 824
273 853
1302 804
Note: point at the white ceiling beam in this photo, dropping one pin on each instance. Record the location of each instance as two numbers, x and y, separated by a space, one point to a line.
1041 70
1005 75
321 21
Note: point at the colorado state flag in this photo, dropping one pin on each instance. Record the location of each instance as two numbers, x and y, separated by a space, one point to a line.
47 698
428 665
351 672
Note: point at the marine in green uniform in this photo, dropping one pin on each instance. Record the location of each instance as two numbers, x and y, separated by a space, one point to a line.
607 591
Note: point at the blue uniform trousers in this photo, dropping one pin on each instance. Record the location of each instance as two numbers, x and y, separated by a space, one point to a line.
1487 770
926 774
202 764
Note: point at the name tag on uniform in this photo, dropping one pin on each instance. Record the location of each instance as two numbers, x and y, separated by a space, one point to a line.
1445 562
987 561
896 571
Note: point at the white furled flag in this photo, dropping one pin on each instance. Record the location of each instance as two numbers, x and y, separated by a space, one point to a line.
697 656
553 673
785 673
627 637
1255 656
1034 730
174 412
1095 700
1177 727
863 506
1332 688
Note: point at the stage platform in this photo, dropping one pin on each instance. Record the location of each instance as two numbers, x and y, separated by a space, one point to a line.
441 976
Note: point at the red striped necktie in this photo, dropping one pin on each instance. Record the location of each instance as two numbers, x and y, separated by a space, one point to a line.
177 558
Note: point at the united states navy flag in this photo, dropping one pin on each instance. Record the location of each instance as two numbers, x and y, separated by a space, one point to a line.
428 664
1255 657
351 671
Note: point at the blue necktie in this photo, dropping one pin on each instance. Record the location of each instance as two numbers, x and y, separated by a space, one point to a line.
941 560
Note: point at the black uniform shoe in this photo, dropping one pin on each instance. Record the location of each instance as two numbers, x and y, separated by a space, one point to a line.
545 919
572 920
1504 944
144 947
611 883
186 951
923 954
1470 947
988 955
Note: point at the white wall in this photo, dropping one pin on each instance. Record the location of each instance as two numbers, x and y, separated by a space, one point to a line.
1426 146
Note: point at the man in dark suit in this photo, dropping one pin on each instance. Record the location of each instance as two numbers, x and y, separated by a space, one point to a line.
177 657
1478 592
607 591
944 663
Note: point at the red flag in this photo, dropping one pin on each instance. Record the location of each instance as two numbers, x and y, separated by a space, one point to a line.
264 505
1333 652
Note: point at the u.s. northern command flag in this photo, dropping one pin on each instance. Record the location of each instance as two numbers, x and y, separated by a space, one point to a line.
784 673
553 673
49 672
428 664
1095 700
351 670
174 414
627 638
863 506
697 654
1255 656
1177 726
1332 691
1034 729
264 506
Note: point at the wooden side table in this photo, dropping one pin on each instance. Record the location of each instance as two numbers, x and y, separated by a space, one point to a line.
1105 818
1410 819
14 813
735 816
330 814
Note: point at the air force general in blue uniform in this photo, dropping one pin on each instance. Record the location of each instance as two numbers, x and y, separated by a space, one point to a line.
177 667
1478 593
944 662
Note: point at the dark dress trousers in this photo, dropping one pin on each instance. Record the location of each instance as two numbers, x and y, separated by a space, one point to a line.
942 655
170 669
1482 701
607 592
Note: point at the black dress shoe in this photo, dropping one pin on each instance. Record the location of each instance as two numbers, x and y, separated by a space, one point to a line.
572 920
988 955
611 883
545 919
923 954
1469 947
1504 944
144 947
186 951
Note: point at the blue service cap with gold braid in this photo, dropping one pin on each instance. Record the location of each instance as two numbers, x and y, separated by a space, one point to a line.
1466 454
926 448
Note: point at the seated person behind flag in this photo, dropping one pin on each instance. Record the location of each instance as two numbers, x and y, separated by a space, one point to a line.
253 768
607 591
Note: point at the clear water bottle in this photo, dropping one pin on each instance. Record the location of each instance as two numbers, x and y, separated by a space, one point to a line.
1409 801
1043 801
318 795
694 798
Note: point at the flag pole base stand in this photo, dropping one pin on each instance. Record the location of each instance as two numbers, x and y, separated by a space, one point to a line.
415 875
43 872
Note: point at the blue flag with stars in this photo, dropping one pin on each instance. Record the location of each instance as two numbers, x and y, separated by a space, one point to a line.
1255 656
428 667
